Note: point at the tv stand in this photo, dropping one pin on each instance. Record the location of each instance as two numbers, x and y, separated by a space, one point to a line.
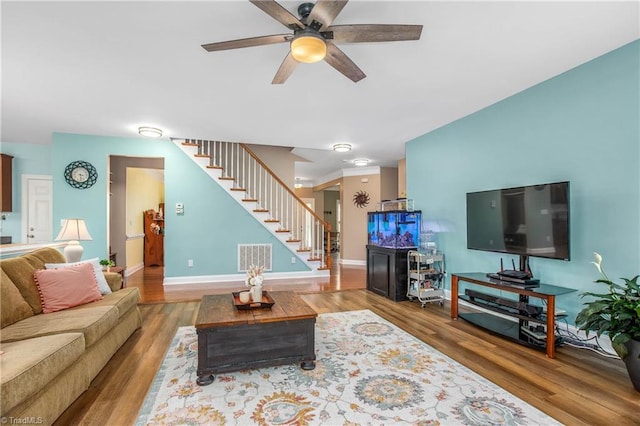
525 329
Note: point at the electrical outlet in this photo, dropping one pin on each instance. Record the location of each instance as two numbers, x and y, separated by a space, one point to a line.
190 263
293 259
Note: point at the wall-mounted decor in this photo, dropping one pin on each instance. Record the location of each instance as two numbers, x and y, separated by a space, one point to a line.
361 199
80 174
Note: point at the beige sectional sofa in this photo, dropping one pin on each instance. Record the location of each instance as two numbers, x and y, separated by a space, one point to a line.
48 360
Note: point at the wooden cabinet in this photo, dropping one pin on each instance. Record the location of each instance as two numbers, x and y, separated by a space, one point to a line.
153 239
387 272
6 174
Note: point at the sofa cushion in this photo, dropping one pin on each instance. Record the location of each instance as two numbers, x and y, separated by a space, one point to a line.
13 307
20 270
114 279
93 322
47 255
95 263
67 287
124 300
28 365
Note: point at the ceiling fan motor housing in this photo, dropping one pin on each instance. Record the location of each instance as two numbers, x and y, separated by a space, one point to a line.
304 10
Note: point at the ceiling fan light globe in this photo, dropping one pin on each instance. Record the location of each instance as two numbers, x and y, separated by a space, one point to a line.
308 49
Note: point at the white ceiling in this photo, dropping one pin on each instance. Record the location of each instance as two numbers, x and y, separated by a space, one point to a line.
105 68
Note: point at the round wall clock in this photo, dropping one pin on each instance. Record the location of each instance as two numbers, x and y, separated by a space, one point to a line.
80 174
361 199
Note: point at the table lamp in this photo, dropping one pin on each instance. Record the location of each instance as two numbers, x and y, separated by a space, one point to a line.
73 230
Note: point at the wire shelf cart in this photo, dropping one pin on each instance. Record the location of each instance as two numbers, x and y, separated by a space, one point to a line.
425 275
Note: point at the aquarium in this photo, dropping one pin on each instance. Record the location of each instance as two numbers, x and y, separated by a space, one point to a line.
394 229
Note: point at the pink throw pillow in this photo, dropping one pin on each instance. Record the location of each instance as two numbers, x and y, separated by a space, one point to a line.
67 287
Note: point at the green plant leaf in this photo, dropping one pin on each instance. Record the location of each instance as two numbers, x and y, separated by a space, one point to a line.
616 312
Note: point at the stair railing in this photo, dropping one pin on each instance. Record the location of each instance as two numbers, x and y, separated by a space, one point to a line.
272 196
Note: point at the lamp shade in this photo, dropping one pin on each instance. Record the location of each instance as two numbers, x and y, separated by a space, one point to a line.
308 47
73 230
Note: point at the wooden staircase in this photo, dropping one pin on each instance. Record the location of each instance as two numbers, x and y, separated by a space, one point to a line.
254 186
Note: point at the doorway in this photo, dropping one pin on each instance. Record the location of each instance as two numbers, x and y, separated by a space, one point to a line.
331 197
136 185
37 209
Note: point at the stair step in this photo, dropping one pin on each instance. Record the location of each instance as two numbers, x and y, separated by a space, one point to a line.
238 189
314 259
226 178
293 241
250 200
215 167
303 250
282 230
262 211
189 144
202 155
271 221
323 268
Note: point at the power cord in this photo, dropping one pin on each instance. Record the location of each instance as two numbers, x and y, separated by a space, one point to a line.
571 339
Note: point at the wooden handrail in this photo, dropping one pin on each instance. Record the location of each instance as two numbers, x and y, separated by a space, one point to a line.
326 225
285 186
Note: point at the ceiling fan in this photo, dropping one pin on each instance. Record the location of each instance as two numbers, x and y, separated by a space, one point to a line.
314 37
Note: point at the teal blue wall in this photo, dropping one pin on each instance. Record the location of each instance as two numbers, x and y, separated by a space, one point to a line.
582 126
208 232
28 159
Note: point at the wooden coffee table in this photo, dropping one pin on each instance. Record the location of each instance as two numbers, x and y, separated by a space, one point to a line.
230 339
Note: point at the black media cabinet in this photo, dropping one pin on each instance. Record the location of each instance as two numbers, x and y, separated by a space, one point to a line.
504 327
387 271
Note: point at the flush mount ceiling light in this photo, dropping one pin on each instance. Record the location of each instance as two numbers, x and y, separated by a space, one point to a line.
308 46
361 162
150 132
342 147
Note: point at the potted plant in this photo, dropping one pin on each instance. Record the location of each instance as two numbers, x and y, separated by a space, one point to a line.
616 313
106 263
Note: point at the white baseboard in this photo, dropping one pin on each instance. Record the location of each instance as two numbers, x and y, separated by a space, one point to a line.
133 269
352 262
204 279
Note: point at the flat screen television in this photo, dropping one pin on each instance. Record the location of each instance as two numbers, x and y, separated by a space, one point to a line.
526 221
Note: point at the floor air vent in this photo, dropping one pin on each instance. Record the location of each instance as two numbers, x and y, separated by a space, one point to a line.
254 254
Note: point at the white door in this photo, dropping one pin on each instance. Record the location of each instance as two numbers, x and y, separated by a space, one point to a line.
37 200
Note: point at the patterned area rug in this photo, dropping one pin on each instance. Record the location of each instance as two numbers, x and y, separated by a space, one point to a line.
368 372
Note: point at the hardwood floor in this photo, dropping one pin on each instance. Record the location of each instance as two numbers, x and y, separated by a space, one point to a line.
577 387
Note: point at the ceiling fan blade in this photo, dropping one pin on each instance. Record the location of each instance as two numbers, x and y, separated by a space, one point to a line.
286 68
279 13
362 33
324 12
337 59
247 42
